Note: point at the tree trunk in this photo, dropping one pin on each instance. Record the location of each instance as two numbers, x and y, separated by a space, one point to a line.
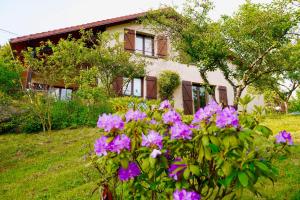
237 96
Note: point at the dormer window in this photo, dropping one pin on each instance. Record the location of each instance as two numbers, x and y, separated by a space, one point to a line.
144 45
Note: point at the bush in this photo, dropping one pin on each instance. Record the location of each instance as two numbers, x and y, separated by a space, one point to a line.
168 81
75 113
295 103
123 104
157 154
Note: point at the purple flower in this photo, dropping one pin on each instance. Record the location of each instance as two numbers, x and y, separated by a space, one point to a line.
132 171
177 168
185 195
171 117
204 114
119 143
228 117
153 121
283 137
181 131
153 139
136 115
165 105
110 122
155 153
101 146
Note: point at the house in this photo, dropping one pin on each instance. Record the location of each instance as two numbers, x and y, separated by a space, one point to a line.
189 96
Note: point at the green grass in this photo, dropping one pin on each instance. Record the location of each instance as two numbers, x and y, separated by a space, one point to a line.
53 166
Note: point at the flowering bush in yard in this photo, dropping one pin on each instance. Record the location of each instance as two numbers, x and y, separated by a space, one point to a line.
159 154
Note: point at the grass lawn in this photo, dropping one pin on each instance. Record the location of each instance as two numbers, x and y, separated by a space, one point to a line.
52 166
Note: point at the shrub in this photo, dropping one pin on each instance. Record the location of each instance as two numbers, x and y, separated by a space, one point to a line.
75 113
123 104
168 81
155 154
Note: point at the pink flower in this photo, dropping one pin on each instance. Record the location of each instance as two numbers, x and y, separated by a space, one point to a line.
153 139
165 105
171 117
119 143
132 171
136 115
176 169
185 195
181 131
110 122
284 137
228 117
155 153
101 146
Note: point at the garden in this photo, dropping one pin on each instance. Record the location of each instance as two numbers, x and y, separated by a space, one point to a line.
97 143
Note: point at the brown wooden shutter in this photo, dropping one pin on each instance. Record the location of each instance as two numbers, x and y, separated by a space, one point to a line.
118 86
129 40
223 95
187 97
162 46
151 86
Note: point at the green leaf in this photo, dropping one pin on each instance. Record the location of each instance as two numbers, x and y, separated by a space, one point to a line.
214 140
214 148
262 166
201 154
124 163
207 153
186 174
152 162
227 168
243 178
205 140
195 170
265 131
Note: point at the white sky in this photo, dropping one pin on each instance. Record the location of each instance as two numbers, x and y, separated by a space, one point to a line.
31 16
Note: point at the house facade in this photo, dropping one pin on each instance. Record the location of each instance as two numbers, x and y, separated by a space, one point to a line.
156 48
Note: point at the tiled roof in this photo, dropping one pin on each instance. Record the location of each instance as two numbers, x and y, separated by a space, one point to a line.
77 28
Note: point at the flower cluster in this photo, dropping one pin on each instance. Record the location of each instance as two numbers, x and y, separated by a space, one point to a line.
130 172
110 122
153 139
228 117
135 115
177 168
284 137
171 117
165 105
205 114
180 131
119 143
185 195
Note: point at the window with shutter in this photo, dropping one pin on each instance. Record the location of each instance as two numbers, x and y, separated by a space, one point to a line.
162 46
151 85
129 40
187 97
223 95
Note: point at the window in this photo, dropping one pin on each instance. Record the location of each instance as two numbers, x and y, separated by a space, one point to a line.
133 87
202 95
61 93
144 45
199 97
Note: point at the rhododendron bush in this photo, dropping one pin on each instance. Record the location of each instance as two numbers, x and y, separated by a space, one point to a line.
160 154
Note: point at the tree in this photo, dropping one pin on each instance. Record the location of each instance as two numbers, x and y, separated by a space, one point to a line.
103 53
285 83
242 46
10 71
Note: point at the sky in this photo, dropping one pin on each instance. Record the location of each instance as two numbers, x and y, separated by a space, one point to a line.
23 17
